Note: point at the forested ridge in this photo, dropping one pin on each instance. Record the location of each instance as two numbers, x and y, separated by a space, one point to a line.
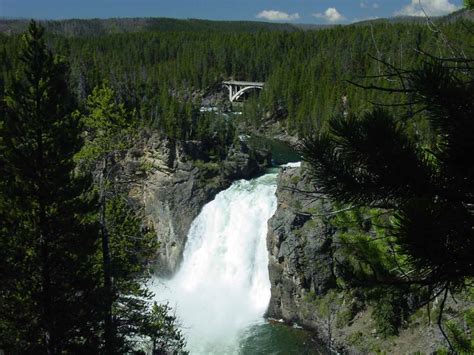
305 72
98 27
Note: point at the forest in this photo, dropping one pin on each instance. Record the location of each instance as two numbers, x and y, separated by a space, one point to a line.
306 72
70 101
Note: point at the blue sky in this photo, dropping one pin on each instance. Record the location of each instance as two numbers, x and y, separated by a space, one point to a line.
294 11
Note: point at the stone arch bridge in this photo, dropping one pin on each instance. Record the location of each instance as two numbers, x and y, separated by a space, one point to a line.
238 88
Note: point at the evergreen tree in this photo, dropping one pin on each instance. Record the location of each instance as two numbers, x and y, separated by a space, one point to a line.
375 161
47 288
106 127
127 248
161 329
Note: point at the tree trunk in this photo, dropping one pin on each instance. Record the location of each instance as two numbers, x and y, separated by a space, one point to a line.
107 272
43 237
46 294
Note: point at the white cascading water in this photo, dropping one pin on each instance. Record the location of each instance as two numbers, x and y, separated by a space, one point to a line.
223 287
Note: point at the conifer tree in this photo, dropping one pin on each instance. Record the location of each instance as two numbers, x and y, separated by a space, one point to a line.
126 247
375 161
106 126
47 286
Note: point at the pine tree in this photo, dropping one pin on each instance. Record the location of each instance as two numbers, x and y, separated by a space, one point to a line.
375 161
47 290
106 126
161 329
126 247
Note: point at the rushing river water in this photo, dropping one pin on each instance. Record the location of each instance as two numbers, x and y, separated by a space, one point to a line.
222 289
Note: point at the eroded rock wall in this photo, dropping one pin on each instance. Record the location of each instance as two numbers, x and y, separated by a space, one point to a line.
305 257
300 247
171 181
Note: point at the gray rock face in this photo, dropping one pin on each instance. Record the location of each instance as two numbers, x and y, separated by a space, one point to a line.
170 182
302 250
300 246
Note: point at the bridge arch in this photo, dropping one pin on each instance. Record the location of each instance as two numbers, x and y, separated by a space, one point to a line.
238 88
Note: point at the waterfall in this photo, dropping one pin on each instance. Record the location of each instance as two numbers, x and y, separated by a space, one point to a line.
222 287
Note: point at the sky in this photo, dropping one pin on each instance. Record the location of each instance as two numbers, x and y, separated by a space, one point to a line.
291 11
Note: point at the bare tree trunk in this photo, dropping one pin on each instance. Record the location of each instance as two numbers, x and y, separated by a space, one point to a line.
106 264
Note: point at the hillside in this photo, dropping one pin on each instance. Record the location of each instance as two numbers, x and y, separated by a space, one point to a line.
450 18
98 27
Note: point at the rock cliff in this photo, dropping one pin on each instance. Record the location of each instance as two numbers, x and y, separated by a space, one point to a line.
305 256
299 244
171 181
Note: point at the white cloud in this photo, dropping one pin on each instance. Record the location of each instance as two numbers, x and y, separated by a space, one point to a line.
431 7
330 15
274 15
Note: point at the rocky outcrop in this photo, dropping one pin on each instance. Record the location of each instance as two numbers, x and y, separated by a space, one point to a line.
300 246
305 257
171 181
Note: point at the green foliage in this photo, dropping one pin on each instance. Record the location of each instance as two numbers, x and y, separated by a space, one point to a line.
208 169
161 329
162 74
469 4
132 249
367 253
108 126
155 79
389 310
176 116
373 161
51 289
329 304
46 239
463 344
216 133
356 339
461 330
100 27
424 182
367 257
350 307
295 179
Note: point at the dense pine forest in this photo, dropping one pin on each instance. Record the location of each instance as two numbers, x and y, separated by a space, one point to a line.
73 96
305 72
